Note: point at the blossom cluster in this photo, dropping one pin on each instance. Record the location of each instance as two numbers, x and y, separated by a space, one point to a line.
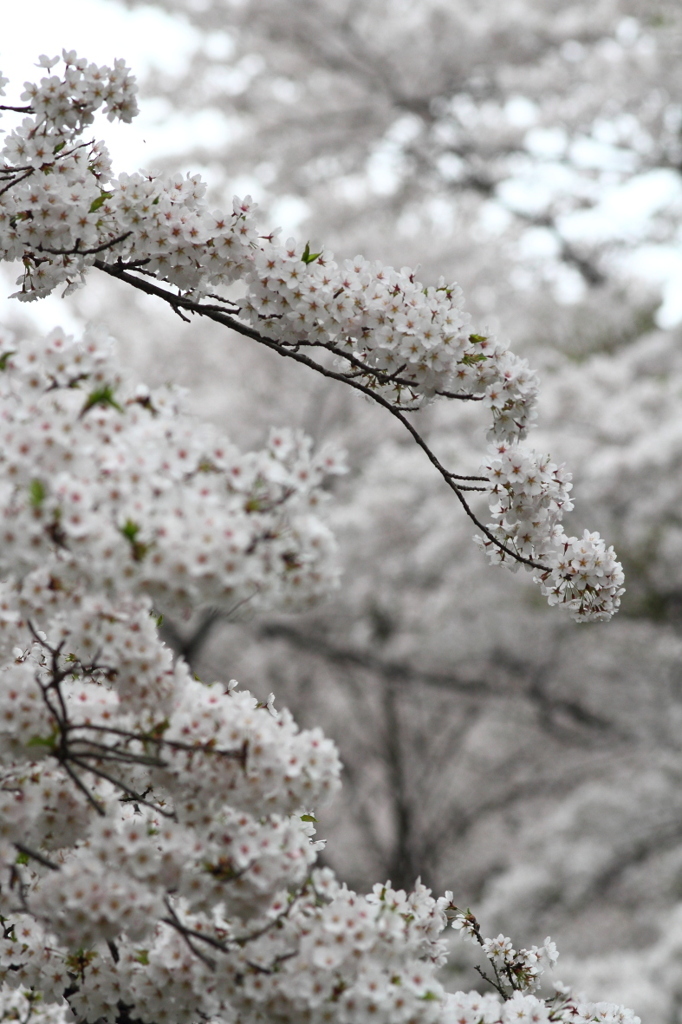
522 968
157 834
150 823
62 211
521 1008
528 497
586 577
109 485
127 780
68 103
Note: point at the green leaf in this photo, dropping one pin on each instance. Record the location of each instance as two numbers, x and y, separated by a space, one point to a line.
158 730
477 337
308 817
130 530
102 396
81 959
429 997
22 858
59 147
308 256
43 741
37 493
142 956
4 358
100 201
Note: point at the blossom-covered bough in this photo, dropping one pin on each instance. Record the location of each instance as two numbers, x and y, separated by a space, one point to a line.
157 851
62 212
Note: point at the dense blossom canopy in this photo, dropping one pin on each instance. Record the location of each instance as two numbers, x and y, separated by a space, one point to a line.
157 851
154 826
61 212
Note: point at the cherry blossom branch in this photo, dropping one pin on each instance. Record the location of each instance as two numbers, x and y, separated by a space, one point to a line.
146 737
15 181
120 272
77 251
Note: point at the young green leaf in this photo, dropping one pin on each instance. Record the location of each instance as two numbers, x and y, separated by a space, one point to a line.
308 256
100 201
102 396
37 493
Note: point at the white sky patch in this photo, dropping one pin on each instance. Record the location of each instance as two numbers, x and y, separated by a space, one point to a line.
442 214
287 213
538 243
46 313
493 218
624 210
101 31
170 131
661 266
383 170
533 192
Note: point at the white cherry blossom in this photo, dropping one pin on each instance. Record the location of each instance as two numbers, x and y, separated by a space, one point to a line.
157 833
63 212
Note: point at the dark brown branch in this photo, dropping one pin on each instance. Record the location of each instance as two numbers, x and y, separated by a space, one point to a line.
34 855
83 788
100 773
187 648
175 922
393 671
120 272
200 748
76 251
15 181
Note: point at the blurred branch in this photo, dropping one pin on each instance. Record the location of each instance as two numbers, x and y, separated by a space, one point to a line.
550 707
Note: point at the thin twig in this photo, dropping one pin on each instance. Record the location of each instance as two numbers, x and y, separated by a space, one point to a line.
75 251
175 922
15 181
34 855
202 748
490 981
83 788
100 773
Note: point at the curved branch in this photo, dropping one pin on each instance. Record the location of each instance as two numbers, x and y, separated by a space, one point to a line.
180 302
76 251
